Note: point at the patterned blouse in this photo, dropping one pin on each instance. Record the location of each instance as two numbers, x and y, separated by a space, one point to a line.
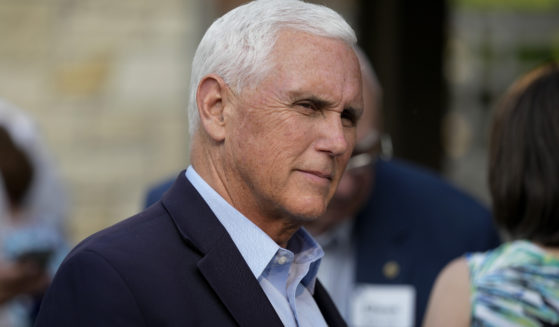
516 284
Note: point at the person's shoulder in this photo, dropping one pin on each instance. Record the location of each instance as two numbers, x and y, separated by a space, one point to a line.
457 269
425 185
509 255
413 174
134 232
449 302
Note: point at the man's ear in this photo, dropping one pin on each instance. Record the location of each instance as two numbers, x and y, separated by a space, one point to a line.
211 97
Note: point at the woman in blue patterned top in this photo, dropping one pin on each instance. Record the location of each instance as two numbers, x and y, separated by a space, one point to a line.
516 284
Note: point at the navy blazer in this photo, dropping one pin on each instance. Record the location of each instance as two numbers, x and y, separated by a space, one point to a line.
420 222
415 219
173 264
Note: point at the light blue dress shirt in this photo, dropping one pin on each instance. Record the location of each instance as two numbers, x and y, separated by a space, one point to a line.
287 276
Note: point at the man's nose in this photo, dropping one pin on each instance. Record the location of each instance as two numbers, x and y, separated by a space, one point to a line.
333 136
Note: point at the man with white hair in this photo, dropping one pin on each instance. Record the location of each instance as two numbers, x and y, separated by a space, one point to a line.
275 99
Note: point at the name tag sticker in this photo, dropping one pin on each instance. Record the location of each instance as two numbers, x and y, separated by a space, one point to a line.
383 306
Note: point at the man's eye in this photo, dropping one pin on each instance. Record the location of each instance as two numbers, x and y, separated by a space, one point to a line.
307 105
349 118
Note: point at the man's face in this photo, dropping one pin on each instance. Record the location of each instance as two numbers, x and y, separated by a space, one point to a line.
356 183
293 132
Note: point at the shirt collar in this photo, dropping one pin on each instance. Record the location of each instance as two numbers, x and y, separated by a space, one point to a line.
255 246
306 250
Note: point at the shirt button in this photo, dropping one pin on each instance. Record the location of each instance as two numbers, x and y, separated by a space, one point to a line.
281 260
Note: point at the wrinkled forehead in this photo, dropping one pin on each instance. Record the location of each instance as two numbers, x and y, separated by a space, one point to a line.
314 53
289 39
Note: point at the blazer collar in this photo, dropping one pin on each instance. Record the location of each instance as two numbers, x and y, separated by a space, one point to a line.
327 306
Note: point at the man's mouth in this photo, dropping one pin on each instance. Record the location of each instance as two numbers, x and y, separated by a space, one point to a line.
320 174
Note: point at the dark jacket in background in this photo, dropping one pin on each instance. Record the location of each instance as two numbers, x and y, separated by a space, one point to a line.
420 222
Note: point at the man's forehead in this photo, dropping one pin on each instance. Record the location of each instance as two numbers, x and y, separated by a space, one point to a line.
305 56
290 39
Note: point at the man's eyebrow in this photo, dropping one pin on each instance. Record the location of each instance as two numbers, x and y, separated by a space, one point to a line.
319 103
302 96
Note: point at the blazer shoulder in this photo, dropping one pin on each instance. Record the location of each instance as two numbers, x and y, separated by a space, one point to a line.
92 302
142 238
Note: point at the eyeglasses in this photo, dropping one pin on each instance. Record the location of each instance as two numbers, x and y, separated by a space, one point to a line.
368 150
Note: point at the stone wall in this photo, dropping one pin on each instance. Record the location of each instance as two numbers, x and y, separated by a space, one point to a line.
106 81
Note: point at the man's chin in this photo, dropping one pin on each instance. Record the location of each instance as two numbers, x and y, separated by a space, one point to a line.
307 209
298 213
309 217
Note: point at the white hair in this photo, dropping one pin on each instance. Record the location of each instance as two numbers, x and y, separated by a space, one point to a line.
236 45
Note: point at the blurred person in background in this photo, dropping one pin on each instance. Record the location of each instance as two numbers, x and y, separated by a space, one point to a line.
32 209
391 227
516 284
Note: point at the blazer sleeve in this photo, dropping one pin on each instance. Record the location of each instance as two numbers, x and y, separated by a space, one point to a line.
86 291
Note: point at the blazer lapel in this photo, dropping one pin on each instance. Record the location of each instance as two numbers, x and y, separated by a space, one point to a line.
327 307
230 277
221 264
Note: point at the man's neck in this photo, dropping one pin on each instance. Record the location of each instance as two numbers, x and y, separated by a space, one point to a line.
279 226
